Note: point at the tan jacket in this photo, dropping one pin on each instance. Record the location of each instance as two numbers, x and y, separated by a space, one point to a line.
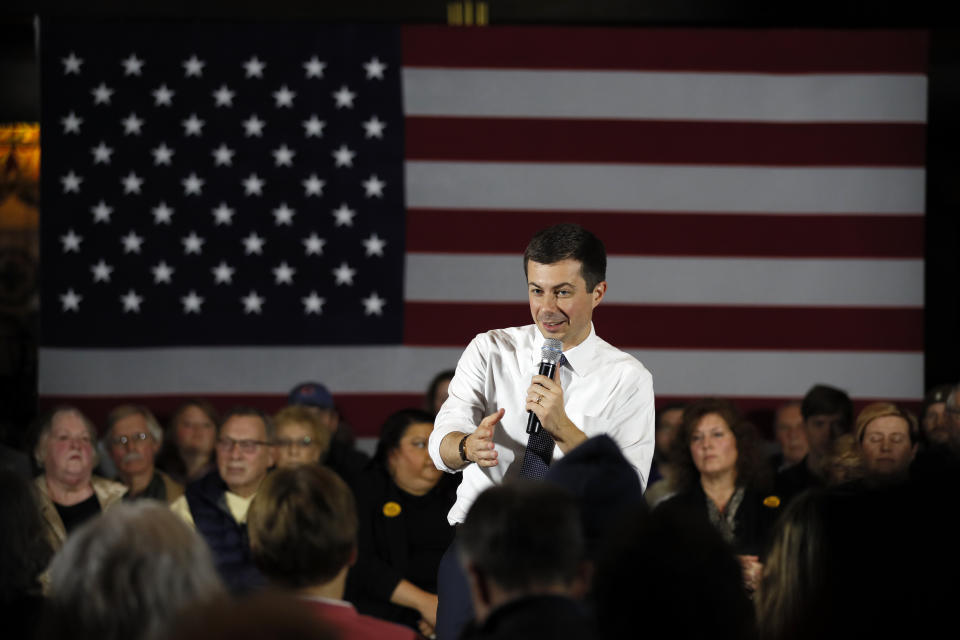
174 488
108 494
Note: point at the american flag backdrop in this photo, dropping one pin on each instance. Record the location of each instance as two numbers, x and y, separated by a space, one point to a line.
231 209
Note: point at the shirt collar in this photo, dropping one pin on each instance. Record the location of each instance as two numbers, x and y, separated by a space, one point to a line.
580 359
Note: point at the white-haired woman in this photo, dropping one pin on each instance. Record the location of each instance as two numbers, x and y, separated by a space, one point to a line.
68 492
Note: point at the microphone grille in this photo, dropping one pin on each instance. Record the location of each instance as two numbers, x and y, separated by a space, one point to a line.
551 351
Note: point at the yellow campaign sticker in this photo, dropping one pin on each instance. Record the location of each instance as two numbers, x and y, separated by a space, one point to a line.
771 501
391 509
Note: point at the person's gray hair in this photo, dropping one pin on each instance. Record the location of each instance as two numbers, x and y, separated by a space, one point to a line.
46 425
128 574
125 411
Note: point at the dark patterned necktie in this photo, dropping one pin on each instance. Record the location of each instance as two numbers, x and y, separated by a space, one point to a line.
536 459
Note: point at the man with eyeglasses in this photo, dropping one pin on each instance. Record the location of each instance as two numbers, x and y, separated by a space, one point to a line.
216 504
133 439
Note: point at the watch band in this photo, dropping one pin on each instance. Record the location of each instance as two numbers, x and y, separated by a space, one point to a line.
463 452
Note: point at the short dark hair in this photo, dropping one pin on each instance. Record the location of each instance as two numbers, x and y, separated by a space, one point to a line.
523 535
823 399
393 429
248 412
569 242
302 525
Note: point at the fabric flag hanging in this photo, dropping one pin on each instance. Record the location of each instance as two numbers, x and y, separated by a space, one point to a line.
231 209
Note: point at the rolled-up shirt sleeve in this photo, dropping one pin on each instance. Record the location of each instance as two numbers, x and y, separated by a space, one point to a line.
465 405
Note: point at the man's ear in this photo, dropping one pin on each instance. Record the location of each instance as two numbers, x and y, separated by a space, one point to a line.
353 557
598 292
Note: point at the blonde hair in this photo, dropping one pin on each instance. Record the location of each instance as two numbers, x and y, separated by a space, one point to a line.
882 410
298 414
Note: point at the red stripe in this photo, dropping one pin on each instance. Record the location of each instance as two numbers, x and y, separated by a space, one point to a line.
664 142
366 411
689 327
676 234
767 50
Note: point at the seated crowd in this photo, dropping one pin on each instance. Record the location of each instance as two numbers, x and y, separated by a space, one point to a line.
255 525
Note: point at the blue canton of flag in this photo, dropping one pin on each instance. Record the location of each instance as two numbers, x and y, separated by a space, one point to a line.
230 185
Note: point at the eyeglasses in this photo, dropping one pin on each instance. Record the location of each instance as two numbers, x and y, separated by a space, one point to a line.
300 443
136 438
245 446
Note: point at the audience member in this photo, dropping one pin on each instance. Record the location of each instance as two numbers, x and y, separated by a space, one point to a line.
216 504
127 575
788 430
133 438
341 456
933 416
187 452
888 438
604 483
722 479
69 494
669 574
827 413
952 420
605 486
301 437
24 555
843 463
403 501
937 467
662 471
437 391
303 534
846 563
523 551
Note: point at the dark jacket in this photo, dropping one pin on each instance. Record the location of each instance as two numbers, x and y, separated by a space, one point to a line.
386 537
227 538
753 522
535 617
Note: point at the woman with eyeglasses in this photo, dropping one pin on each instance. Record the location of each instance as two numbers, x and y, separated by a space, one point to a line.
300 437
402 505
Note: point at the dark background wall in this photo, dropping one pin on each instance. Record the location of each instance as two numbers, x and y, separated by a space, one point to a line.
20 101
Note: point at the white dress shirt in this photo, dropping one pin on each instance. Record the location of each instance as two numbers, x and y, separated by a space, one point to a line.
604 391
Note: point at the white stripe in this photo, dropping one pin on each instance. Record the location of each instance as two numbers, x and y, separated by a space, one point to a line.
725 281
205 371
665 96
685 188
784 373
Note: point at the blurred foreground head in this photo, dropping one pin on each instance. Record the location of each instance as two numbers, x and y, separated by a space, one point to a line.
127 575
671 575
522 539
303 527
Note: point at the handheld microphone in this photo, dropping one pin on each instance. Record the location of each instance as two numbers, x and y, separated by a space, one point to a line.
550 354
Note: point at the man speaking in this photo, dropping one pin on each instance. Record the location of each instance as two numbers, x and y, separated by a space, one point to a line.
482 427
